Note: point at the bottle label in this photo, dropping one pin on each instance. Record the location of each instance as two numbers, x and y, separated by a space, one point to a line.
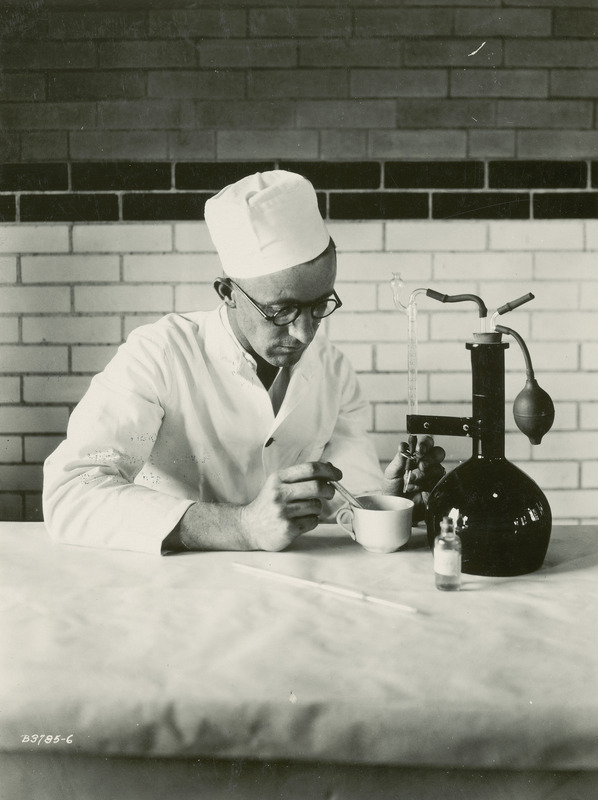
447 562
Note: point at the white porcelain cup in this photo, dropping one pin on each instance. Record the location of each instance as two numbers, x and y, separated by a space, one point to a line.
382 525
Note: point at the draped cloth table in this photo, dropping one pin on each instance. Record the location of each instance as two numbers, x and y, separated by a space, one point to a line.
182 676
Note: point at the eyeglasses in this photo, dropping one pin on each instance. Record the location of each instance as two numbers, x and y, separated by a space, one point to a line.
288 314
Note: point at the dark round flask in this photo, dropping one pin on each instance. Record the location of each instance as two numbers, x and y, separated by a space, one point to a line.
500 513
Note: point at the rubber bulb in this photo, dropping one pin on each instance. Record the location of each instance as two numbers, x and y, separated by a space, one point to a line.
533 410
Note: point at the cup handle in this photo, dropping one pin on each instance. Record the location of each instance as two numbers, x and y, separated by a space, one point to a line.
340 514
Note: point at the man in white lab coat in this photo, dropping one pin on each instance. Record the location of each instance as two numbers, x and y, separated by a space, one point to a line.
223 429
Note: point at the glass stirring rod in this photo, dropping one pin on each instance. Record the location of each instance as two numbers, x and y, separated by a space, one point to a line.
325 586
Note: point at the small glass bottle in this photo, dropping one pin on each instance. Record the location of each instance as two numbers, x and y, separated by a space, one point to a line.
447 558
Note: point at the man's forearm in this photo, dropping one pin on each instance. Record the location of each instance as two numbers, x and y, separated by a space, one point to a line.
288 505
209 526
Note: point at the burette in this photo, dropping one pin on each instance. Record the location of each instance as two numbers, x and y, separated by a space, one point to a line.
411 310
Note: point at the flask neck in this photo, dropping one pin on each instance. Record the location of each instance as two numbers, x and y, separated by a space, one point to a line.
488 398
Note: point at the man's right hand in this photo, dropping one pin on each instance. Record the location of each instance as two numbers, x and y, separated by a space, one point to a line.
288 505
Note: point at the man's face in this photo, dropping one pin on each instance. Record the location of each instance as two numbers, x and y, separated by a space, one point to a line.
305 283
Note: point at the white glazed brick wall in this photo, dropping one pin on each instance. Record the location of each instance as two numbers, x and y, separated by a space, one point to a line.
71 293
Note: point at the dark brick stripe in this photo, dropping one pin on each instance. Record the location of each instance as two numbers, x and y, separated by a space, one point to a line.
566 205
121 190
379 205
537 175
69 208
164 206
33 177
343 175
7 208
214 177
434 175
480 205
120 175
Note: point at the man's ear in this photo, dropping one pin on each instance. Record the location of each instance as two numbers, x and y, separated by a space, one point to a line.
224 290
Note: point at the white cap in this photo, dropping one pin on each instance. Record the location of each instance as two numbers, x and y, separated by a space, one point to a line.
265 223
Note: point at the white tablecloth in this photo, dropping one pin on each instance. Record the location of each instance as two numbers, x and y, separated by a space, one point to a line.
185 657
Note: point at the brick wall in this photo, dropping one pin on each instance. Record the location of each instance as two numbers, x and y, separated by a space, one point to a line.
313 79
79 289
454 142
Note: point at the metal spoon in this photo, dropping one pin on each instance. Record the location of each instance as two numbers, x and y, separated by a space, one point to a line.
347 494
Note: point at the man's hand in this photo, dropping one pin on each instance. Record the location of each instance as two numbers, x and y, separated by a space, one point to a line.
423 470
288 505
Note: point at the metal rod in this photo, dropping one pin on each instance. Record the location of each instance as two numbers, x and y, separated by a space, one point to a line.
346 494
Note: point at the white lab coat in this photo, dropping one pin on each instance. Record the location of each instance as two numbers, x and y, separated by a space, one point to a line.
180 415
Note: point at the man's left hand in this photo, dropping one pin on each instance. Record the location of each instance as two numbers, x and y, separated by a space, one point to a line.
421 462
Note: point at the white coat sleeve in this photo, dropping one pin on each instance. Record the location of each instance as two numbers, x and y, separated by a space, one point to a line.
350 448
89 494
